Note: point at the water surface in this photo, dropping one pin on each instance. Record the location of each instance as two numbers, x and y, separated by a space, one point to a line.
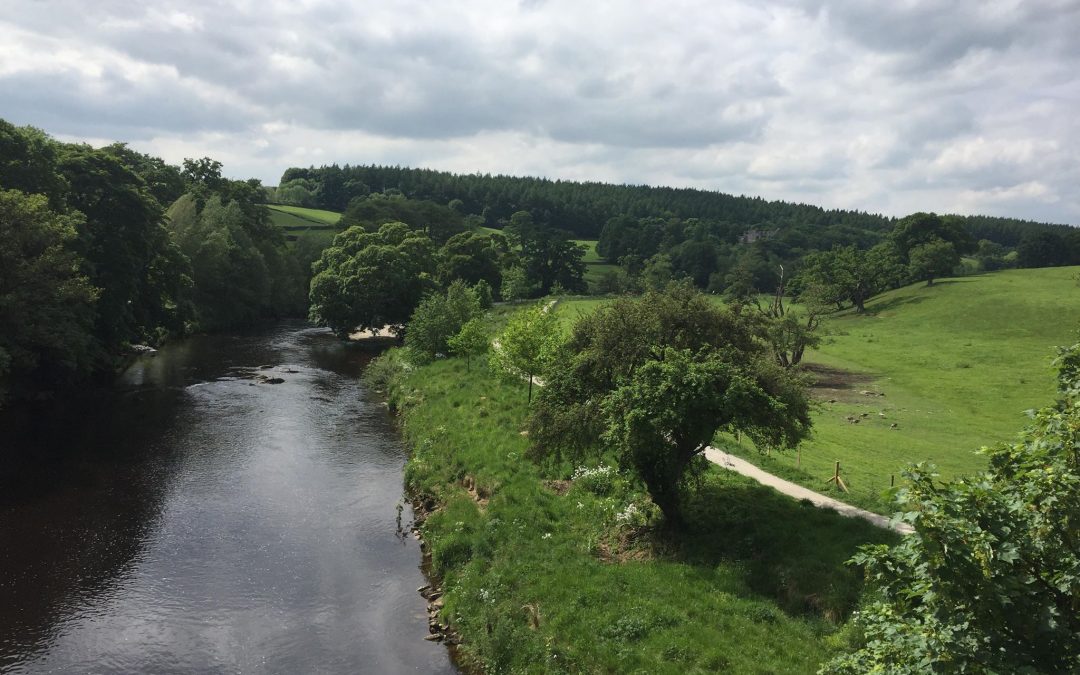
193 519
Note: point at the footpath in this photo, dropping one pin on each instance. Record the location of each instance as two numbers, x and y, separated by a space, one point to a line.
738 465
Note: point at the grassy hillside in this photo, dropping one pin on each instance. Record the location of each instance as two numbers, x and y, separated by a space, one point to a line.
957 362
543 575
595 267
311 215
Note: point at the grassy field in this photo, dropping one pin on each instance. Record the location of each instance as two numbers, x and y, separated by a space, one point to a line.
595 267
957 362
311 215
543 575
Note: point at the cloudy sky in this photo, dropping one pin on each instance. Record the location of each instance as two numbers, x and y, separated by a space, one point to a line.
891 107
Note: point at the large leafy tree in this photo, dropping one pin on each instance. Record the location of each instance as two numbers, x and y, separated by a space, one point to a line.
371 279
936 258
127 249
922 228
661 418
609 347
472 257
548 255
989 582
46 303
28 162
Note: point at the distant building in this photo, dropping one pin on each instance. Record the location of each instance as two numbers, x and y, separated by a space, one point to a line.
750 236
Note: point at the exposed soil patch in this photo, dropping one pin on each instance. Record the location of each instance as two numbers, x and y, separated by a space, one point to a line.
629 545
559 487
839 385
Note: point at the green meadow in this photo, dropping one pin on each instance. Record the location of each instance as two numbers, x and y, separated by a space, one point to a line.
318 216
595 267
957 363
544 575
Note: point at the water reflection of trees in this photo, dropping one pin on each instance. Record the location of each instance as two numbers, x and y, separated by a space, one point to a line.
81 487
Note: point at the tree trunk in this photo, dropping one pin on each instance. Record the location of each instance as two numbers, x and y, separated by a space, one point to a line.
530 387
859 308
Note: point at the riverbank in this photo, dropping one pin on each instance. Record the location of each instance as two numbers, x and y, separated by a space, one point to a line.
559 570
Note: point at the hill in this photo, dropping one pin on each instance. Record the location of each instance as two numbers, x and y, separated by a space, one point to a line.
956 364
584 207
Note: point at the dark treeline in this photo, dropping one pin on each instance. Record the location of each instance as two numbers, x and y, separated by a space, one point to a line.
654 233
580 208
103 249
583 208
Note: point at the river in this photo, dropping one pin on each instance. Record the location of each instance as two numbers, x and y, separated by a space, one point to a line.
192 519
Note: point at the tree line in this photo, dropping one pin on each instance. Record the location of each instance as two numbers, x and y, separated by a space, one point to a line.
105 248
586 208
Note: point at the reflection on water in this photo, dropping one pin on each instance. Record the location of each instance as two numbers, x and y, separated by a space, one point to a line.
197 520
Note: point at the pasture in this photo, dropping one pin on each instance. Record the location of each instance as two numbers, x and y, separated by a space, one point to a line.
953 366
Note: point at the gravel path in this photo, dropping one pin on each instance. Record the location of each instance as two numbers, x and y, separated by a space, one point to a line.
744 467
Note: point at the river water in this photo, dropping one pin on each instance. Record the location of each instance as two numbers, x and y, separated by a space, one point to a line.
194 520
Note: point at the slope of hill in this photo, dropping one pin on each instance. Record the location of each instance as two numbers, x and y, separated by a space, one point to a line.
955 365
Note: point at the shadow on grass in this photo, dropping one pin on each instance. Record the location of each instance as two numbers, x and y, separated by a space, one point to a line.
791 551
894 303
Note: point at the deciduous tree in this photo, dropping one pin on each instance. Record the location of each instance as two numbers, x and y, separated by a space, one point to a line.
989 582
371 279
527 346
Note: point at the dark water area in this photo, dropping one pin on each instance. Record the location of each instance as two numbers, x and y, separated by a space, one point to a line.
193 520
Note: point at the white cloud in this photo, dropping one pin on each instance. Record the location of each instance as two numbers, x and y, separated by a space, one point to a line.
926 105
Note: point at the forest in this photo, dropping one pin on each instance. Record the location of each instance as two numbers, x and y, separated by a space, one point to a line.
106 250
714 238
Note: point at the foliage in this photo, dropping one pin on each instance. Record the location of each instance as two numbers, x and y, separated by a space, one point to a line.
548 256
516 284
127 250
438 318
920 229
846 274
124 248
46 303
933 259
471 341
526 346
240 267
368 280
609 347
1043 249
440 223
790 332
483 294
472 257
990 580
664 415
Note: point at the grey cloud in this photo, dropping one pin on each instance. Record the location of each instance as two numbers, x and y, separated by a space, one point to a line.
710 95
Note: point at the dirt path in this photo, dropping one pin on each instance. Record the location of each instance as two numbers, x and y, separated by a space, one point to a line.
745 468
